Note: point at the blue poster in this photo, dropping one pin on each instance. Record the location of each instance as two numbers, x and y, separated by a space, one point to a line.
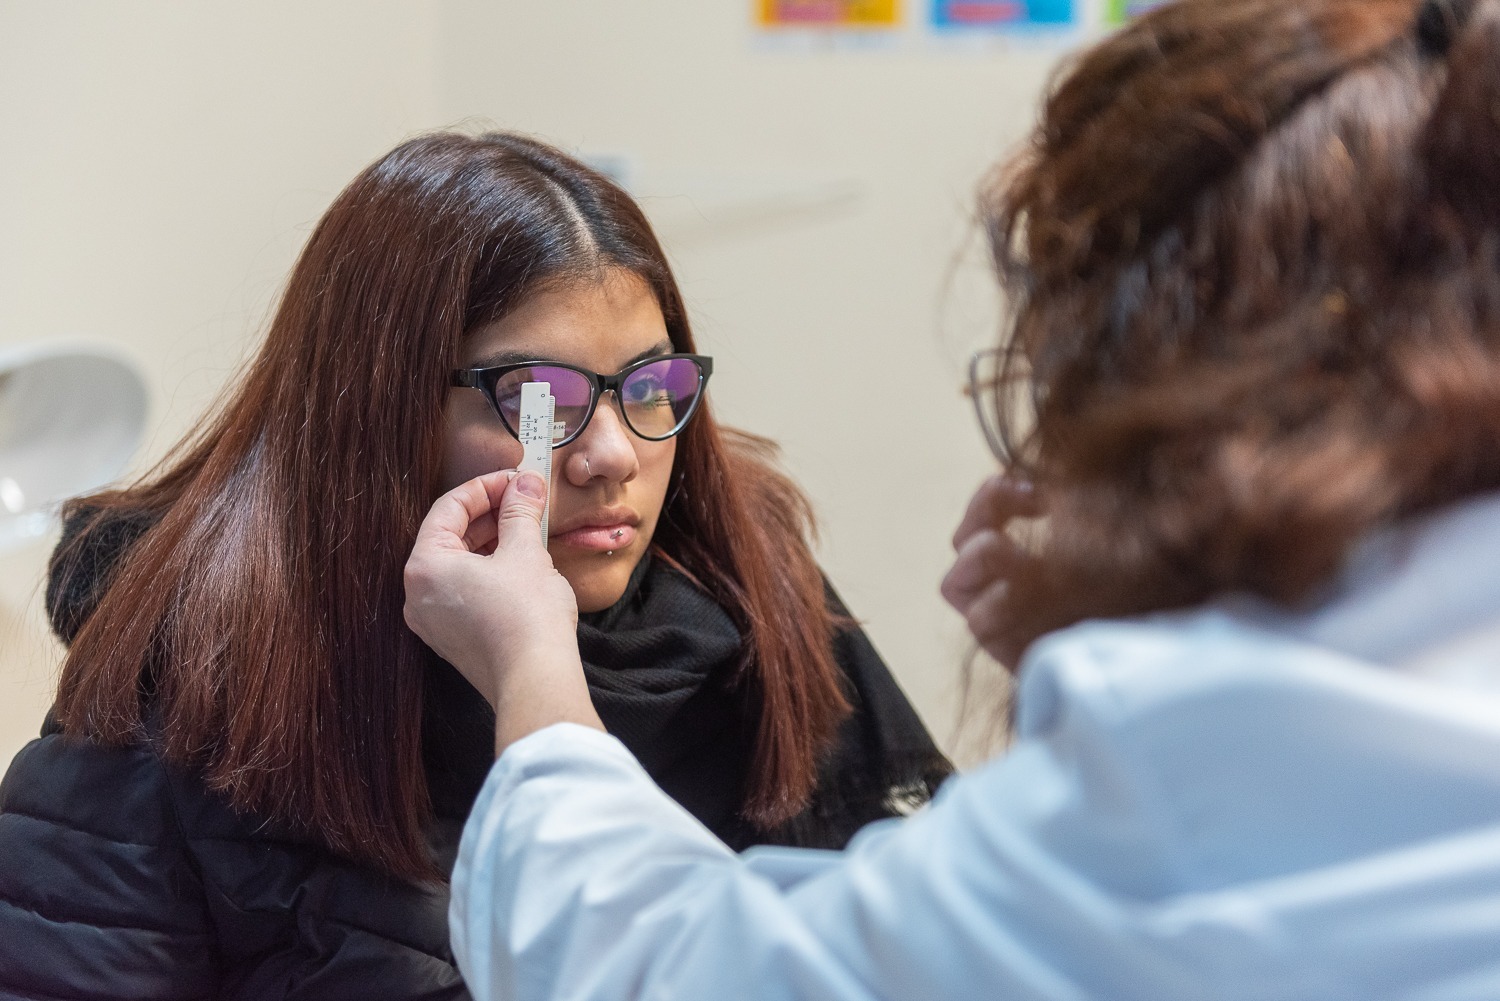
1002 13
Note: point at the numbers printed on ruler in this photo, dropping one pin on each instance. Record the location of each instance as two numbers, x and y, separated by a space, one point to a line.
537 431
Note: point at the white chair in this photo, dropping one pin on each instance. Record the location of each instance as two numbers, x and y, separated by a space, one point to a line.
71 417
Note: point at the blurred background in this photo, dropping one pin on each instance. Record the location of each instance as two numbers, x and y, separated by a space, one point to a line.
163 161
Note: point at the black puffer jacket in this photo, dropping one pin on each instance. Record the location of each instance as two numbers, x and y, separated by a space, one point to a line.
122 876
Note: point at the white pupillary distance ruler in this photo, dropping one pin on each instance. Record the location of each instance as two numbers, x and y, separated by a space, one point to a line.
537 432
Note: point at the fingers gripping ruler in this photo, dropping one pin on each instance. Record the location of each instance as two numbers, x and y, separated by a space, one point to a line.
537 432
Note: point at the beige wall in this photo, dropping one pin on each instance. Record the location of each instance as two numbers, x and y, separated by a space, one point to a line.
163 160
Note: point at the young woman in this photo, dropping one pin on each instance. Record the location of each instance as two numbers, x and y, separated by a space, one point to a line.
1255 248
255 775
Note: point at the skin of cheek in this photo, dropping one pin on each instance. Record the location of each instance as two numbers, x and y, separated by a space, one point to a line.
599 580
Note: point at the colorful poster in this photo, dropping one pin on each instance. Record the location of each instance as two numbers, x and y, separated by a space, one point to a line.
1120 11
830 13
981 14
1002 13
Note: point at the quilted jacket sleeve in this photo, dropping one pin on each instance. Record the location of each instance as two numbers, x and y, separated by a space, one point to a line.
98 896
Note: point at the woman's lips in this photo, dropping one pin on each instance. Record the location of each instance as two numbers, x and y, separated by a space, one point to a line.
597 538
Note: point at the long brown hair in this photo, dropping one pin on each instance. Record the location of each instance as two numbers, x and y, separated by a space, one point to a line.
256 630
1253 253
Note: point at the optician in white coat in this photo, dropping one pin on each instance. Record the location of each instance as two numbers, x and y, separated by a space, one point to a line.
1228 803
1254 251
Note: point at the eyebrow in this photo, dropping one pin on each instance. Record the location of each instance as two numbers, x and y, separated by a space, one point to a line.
499 359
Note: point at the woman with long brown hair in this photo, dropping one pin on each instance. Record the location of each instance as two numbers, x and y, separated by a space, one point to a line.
1254 262
254 776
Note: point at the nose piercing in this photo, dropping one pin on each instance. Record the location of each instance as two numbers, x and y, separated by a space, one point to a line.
586 468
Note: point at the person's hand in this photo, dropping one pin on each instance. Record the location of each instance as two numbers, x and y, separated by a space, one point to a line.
987 558
507 620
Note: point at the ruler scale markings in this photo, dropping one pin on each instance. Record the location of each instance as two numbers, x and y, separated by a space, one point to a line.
538 427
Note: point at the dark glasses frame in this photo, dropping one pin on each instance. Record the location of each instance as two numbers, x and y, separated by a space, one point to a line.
983 389
485 380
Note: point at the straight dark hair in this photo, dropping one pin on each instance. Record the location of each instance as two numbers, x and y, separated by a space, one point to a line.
255 631
1253 253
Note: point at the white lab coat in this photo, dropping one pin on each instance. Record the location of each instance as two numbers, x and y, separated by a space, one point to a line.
1233 802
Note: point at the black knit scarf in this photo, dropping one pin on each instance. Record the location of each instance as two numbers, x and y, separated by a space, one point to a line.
660 665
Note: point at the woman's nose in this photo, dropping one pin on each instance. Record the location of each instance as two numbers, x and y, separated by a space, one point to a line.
605 449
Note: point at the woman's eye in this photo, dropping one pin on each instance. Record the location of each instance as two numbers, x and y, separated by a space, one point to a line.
509 404
645 390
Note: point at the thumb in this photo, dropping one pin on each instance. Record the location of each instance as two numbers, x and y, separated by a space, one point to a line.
521 508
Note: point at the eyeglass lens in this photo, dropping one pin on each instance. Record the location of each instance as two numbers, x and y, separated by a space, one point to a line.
655 399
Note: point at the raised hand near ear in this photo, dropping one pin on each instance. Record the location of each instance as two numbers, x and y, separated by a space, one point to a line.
987 560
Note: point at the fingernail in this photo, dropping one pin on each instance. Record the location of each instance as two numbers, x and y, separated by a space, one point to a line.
530 484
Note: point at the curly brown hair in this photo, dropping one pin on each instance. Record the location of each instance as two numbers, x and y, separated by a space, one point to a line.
1253 255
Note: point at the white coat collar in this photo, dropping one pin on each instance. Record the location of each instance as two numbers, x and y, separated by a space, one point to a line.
1421 596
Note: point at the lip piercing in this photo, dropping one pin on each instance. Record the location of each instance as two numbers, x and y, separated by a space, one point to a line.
617 533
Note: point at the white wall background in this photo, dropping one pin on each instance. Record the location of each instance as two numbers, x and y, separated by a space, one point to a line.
161 162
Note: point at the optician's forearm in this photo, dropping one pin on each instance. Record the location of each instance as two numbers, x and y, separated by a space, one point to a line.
586 882
578 878
533 699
